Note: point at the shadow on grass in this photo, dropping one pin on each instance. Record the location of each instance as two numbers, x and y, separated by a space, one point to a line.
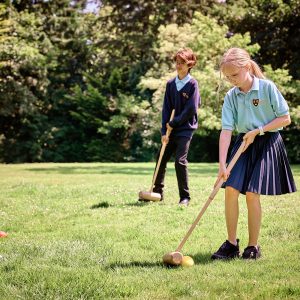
199 259
139 203
202 258
120 169
136 264
100 205
107 205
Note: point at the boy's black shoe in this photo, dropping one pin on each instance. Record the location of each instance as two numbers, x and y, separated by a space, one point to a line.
227 251
251 252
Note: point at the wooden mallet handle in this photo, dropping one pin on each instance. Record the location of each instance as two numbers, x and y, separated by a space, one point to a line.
162 151
211 197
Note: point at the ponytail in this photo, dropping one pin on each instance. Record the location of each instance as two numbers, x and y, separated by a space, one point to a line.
241 58
256 70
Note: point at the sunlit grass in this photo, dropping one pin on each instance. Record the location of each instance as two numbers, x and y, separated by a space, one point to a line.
77 231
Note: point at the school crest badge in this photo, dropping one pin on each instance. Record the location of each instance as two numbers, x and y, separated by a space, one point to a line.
255 102
185 95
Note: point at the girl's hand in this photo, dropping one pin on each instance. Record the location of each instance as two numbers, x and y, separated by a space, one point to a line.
249 137
223 174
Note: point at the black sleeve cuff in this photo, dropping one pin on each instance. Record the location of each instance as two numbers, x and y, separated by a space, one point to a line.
172 123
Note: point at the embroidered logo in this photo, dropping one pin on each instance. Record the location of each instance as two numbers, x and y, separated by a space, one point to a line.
255 102
185 95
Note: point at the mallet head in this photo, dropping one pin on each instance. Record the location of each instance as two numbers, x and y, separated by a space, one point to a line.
149 196
173 258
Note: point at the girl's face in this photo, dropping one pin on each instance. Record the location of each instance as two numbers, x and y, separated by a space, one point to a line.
238 76
181 67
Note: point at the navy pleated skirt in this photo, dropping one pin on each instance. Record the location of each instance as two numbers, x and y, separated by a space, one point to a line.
263 168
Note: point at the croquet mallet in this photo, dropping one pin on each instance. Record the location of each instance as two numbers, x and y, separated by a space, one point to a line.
151 196
175 258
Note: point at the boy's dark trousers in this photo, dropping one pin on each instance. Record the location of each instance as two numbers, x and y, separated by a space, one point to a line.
178 145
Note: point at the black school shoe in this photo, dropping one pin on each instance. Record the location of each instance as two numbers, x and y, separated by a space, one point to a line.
251 252
227 251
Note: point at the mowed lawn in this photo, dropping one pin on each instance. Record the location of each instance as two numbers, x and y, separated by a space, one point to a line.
77 231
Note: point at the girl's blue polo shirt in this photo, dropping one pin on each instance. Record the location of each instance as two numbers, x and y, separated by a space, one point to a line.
258 107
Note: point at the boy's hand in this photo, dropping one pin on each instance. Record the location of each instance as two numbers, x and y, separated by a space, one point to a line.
165 139
169 127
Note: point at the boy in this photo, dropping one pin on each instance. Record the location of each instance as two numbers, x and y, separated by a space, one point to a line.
181 94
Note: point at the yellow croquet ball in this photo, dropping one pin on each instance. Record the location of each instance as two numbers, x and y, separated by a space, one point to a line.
187 261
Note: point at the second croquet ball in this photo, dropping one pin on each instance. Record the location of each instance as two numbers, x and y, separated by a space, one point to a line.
187 261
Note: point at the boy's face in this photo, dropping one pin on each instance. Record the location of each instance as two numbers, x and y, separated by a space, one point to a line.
181 66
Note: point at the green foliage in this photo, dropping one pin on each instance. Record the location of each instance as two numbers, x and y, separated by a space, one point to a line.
81 86
23 83
272 24
44 52
282 79
104 119
290 89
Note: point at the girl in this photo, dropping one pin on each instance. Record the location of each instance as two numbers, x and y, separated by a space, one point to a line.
257 110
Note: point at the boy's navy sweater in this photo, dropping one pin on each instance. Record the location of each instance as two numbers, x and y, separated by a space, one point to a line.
185 102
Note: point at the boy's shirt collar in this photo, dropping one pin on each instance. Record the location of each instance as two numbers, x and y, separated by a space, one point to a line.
183 80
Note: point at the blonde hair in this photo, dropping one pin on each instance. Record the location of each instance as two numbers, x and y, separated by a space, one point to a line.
241 58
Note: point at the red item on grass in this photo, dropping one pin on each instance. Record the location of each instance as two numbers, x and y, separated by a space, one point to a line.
3 234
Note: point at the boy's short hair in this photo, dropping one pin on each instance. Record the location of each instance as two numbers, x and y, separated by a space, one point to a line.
187 55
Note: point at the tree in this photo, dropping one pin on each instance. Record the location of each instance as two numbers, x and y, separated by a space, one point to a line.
23 73
131 29
73 81
274 25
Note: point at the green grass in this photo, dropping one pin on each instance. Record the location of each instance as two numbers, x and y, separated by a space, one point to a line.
76 231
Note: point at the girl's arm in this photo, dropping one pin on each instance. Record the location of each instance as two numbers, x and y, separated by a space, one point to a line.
277 123
224 142
274 124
